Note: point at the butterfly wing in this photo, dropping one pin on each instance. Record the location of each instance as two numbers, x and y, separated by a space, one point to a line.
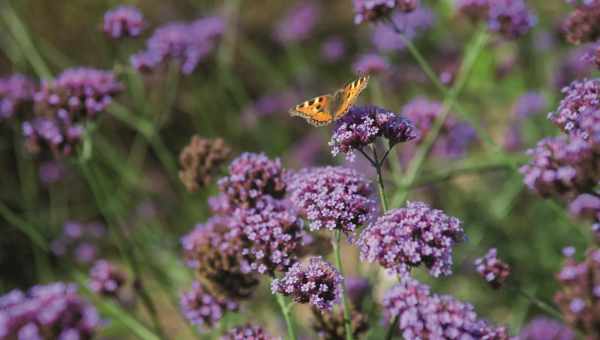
316 111
347 96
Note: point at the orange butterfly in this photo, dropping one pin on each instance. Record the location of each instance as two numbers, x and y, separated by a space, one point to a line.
323 110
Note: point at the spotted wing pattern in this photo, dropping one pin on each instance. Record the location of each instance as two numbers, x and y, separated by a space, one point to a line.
348 96
316 111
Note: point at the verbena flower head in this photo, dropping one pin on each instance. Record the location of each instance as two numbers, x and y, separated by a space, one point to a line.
372 10
493 270
53 311
79 241
214 250
329 325
385 37
561 165
581 25
332 198
357 289
247 332
416 235
370 63
251 176
581 97
363 124
529 104
422 315
511 18
333 49
57 135
123 21
185 43
51 172
200 159
473 9
298 24
579 296
203 308
542 328
586 205
271 234
575 65
106 279
316 282
16 93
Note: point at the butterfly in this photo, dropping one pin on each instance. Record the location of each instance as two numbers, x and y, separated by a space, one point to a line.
325 109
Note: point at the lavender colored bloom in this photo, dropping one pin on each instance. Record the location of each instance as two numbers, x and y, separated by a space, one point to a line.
581 25
51 172
106 279
16 91
271 235
333 49
409 237
123 21
542 328
586 205
579 296
581 97
363 124
203 308
513 139
332 198
372 10
186 43
575 65
317 282
386 39
247 332
561 165
298 24
357 289
473 9
493 270
511 18
53 311
422 315
251 176
529 104
370 64
79 241
58 136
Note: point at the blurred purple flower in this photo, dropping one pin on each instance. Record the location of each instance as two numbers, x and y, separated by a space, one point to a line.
372 10
307 151
543 328
269 105
333 49
357 289
473 9
251 176
298 24
332 198
53 311
16 91
186 43
586 205
51 172
79 241
106 279
492 269
203 308
247 332
575 65
409 237
529 104
511 18
317 282
422 315
123 21
386 39
581 25
363 124
370 64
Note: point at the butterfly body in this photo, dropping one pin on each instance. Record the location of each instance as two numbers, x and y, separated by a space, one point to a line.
323 110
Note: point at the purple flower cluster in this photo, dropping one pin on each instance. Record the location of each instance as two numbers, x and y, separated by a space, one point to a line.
529 104
575 65
493 270
16 91
372 10
51 172
247 332
332 198
581 98
123 21
408 237
385 37
511 18
333 49
581 25
370 63
53 311
298 24
454 137
316 282
561 165
579 296
252 176
106 279
363 124
357 289
271 235
542 328
79 241
186 43
423 315
473 9
204 309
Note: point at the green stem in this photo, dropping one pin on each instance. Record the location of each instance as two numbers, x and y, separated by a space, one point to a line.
539 303
338 261
392 329
285 309
378 164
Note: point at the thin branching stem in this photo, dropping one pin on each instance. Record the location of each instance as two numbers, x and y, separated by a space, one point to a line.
286 311
346 305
